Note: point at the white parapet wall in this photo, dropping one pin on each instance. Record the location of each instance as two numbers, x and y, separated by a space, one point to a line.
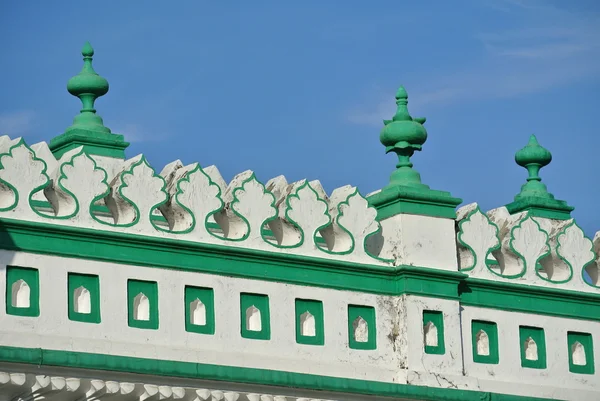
122 275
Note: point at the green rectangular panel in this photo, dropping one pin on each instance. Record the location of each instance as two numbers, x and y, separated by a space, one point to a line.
142 300
581 353
484 337
255 316
84 297
362 329
533 347
309 322
22 291
434 321
199 310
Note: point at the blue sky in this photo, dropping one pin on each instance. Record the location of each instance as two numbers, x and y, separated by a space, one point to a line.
300 88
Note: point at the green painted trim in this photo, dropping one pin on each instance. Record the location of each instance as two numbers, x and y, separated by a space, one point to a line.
537 335
93 142
223 260
437 319
541 207
260 302
315 308
586 340
201 371
368 315
31 277
491 330
530 299
207 297
91 283
391 201
150 290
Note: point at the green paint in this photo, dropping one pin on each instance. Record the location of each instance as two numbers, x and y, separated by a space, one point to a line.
91 283
586 341
367 313
315 308
88 129
14 274
534 196
135 289
223 260
260 302
491 330
406 193
80 360
530 299
435 318
207 297
536 334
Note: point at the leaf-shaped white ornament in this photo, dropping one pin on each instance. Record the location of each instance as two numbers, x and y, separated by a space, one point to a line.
359 219
22 175
479 236
309 212
529 242
255 205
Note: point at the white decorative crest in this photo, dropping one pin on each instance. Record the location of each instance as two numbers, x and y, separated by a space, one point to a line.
135 192
575 249
76 184
530 243
255 205
358 219
308 211
193 197
477 237
337 238
286 233
21 175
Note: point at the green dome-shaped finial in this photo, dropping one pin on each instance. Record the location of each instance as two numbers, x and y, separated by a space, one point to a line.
88 86
533 153
534 196
404 135
533 157
88 129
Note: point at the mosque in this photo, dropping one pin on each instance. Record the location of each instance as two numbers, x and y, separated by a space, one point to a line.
125 283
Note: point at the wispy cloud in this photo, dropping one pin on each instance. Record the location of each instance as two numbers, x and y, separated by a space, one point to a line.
554 47
16 123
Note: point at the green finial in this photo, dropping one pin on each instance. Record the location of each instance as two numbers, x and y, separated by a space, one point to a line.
533 157
406 194
88 86
88 129
534 196
404 135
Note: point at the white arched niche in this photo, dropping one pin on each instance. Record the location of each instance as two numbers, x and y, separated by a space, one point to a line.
141 307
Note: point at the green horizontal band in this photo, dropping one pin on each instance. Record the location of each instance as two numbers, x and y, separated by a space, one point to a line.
81 360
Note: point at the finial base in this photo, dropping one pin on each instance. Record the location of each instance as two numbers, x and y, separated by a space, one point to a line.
400 199
541 207
93 142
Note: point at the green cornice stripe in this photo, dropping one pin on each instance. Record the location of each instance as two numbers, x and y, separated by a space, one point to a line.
80 360
530 299
224 260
